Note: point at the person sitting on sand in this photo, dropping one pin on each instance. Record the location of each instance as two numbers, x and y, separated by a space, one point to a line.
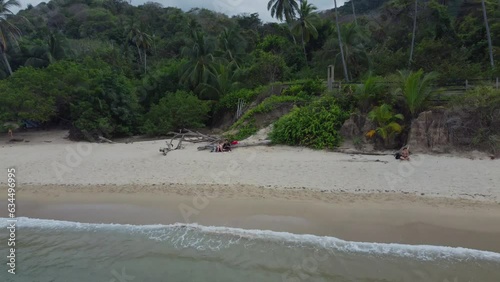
219 147
226 146
405 154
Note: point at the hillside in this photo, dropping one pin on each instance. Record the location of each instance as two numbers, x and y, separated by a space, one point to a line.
112 69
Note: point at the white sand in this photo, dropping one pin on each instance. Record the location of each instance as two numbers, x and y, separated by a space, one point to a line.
65 162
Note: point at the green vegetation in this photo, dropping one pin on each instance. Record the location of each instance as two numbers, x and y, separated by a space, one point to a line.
176 111
246 125
476 114
316 125
112 69
387 123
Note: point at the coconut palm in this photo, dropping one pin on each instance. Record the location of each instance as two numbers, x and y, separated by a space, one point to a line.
232 46
283 9
141 40
354 12
9 33
414 32
222 84
353 41
305 24
344 64
201 65
490 46
54 48
416 88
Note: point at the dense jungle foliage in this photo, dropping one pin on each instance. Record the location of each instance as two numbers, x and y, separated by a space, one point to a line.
105 67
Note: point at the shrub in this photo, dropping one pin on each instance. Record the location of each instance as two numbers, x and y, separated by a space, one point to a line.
107 107
316 125
246 124
372 92
306 89
229 102
176 111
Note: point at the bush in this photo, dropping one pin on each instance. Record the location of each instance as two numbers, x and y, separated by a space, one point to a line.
246 125
316 125
229 102
176 111
306 89
107 106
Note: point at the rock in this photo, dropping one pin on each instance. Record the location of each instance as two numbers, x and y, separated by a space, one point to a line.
350 129
367 126
429 133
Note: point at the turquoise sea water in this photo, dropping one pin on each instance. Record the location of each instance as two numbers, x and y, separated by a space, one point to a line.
49 250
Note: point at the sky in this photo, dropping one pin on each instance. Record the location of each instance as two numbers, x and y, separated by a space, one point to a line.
229 7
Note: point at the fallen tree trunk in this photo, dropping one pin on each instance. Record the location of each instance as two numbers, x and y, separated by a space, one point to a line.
102 139
352 152
260 143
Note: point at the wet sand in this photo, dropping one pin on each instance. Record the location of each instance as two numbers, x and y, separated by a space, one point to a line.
383 218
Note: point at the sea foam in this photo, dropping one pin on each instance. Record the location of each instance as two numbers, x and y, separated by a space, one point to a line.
194 235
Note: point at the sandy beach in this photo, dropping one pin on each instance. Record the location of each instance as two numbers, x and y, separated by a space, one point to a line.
436 200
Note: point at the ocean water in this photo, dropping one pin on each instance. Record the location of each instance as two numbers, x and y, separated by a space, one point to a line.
49 250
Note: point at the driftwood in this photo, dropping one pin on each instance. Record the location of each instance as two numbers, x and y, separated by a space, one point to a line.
239 145
102 139
353 152
195 136
259 143
170 146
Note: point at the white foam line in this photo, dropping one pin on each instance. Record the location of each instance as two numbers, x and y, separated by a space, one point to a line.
425 252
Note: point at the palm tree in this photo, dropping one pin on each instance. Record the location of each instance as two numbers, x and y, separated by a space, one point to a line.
387 123
283 9
232 46
55 48
305 24
346 73
490 46
414 32
8 32
353 44
141 40
201 65
354 12
416 88
222 84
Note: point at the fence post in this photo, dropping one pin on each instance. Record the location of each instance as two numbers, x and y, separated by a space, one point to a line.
330 77
466 84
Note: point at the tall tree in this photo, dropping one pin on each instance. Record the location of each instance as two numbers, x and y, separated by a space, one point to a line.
346 73
283 9
414 33
8 31
141 40
490 46
201 66
354 12
305 24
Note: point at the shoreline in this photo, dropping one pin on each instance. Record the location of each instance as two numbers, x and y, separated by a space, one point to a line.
433 200
380 218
